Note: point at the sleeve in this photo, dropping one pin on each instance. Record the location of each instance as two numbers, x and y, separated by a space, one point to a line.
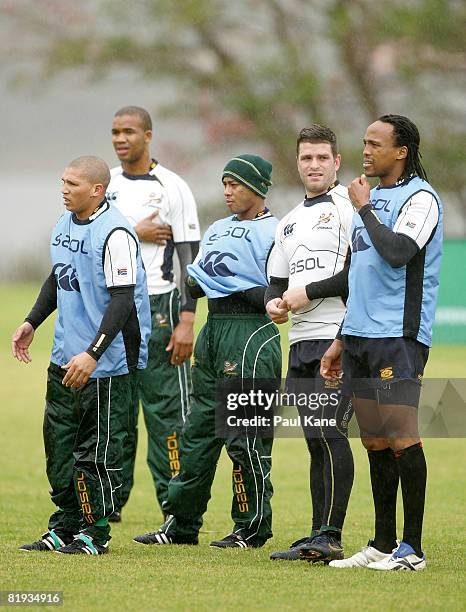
187 252
182 215
120 266
46 302
114 319
278 261
396 249
347 223
418 218
277 288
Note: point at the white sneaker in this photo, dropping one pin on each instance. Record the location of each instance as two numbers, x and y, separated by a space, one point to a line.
403 559
363 558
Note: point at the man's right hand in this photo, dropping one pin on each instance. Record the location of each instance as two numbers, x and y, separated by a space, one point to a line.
330 364
148 231
21 342
277 310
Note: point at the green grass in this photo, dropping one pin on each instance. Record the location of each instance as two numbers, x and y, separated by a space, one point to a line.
135 577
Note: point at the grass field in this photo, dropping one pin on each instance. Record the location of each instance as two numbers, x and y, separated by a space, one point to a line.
135 577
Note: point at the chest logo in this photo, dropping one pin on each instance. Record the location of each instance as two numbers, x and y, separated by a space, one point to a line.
214 264
66 277
323 220
288 230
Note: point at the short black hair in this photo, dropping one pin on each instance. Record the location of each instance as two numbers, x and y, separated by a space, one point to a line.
318 133
93 168
143 115
406 135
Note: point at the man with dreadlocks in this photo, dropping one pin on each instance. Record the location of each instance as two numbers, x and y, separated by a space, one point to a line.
386 335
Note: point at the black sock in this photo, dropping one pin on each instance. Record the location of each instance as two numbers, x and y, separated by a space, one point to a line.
338 474
316 481
413 475
384 480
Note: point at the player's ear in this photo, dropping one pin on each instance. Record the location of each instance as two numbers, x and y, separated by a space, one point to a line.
98 190
402 153
147 136
337 162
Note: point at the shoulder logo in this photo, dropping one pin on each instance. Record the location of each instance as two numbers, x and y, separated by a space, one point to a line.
214 264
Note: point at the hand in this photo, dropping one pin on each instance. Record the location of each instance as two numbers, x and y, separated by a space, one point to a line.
295 298
330 364
148 231
359 192
79 367
182 339
21 341
277 310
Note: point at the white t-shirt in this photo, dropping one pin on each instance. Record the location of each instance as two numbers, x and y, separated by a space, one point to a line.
311 244
137 197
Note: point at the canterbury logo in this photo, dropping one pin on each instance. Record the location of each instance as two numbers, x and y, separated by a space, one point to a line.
214 264
288 230
66 277
357 241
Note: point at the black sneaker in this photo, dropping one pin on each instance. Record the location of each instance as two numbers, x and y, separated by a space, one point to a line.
233 540
51 540
83 545
115 517
159 537
323 547
292 554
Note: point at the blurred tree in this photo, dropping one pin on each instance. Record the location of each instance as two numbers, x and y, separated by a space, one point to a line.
259 70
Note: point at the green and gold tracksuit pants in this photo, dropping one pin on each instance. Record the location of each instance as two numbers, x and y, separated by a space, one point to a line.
84 433
164 394
246 346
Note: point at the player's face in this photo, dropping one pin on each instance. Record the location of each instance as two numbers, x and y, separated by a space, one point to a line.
317 166
78 193
381 156
129 138
241 200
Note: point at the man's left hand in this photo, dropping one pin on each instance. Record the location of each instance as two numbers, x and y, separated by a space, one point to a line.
359 192
295 298
182 339
79 367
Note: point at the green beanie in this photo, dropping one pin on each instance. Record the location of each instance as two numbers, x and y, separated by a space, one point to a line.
252 171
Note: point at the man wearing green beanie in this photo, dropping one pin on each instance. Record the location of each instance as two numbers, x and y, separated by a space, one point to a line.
238 345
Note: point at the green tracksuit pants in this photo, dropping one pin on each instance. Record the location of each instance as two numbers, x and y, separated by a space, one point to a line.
84 432
164 394
246 346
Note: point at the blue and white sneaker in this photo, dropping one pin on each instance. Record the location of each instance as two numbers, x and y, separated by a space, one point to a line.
403 559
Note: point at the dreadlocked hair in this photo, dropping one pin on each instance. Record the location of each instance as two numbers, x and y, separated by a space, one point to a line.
407 135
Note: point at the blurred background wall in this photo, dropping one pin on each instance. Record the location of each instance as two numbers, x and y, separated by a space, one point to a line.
222 78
